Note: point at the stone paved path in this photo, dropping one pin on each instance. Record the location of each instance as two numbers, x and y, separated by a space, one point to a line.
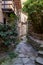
26 55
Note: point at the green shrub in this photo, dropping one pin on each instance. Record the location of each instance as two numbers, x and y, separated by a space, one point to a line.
34 8
8 32
11 19
8 35
13 55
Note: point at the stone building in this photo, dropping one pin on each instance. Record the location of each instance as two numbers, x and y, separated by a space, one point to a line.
13 6
23 23
7 7
1 15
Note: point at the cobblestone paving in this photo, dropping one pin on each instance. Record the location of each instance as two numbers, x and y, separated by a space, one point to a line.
26 55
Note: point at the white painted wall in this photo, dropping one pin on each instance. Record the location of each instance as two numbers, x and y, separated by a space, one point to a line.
23 17
22 28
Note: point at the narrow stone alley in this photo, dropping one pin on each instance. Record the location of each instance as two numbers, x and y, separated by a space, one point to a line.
26 55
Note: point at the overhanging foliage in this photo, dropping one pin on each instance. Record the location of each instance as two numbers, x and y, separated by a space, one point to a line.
34 8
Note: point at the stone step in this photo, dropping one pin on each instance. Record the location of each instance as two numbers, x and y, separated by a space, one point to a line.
40 53
41 47
39 61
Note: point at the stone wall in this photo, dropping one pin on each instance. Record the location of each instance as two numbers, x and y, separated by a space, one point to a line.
32 33
1 14
34 42
17 4
37 36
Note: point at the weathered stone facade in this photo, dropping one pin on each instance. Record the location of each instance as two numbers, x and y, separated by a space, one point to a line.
17 4
1 15
6 6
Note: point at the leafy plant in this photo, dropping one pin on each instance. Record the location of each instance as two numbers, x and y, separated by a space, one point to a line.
8 36
13 55
34 8
11 19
